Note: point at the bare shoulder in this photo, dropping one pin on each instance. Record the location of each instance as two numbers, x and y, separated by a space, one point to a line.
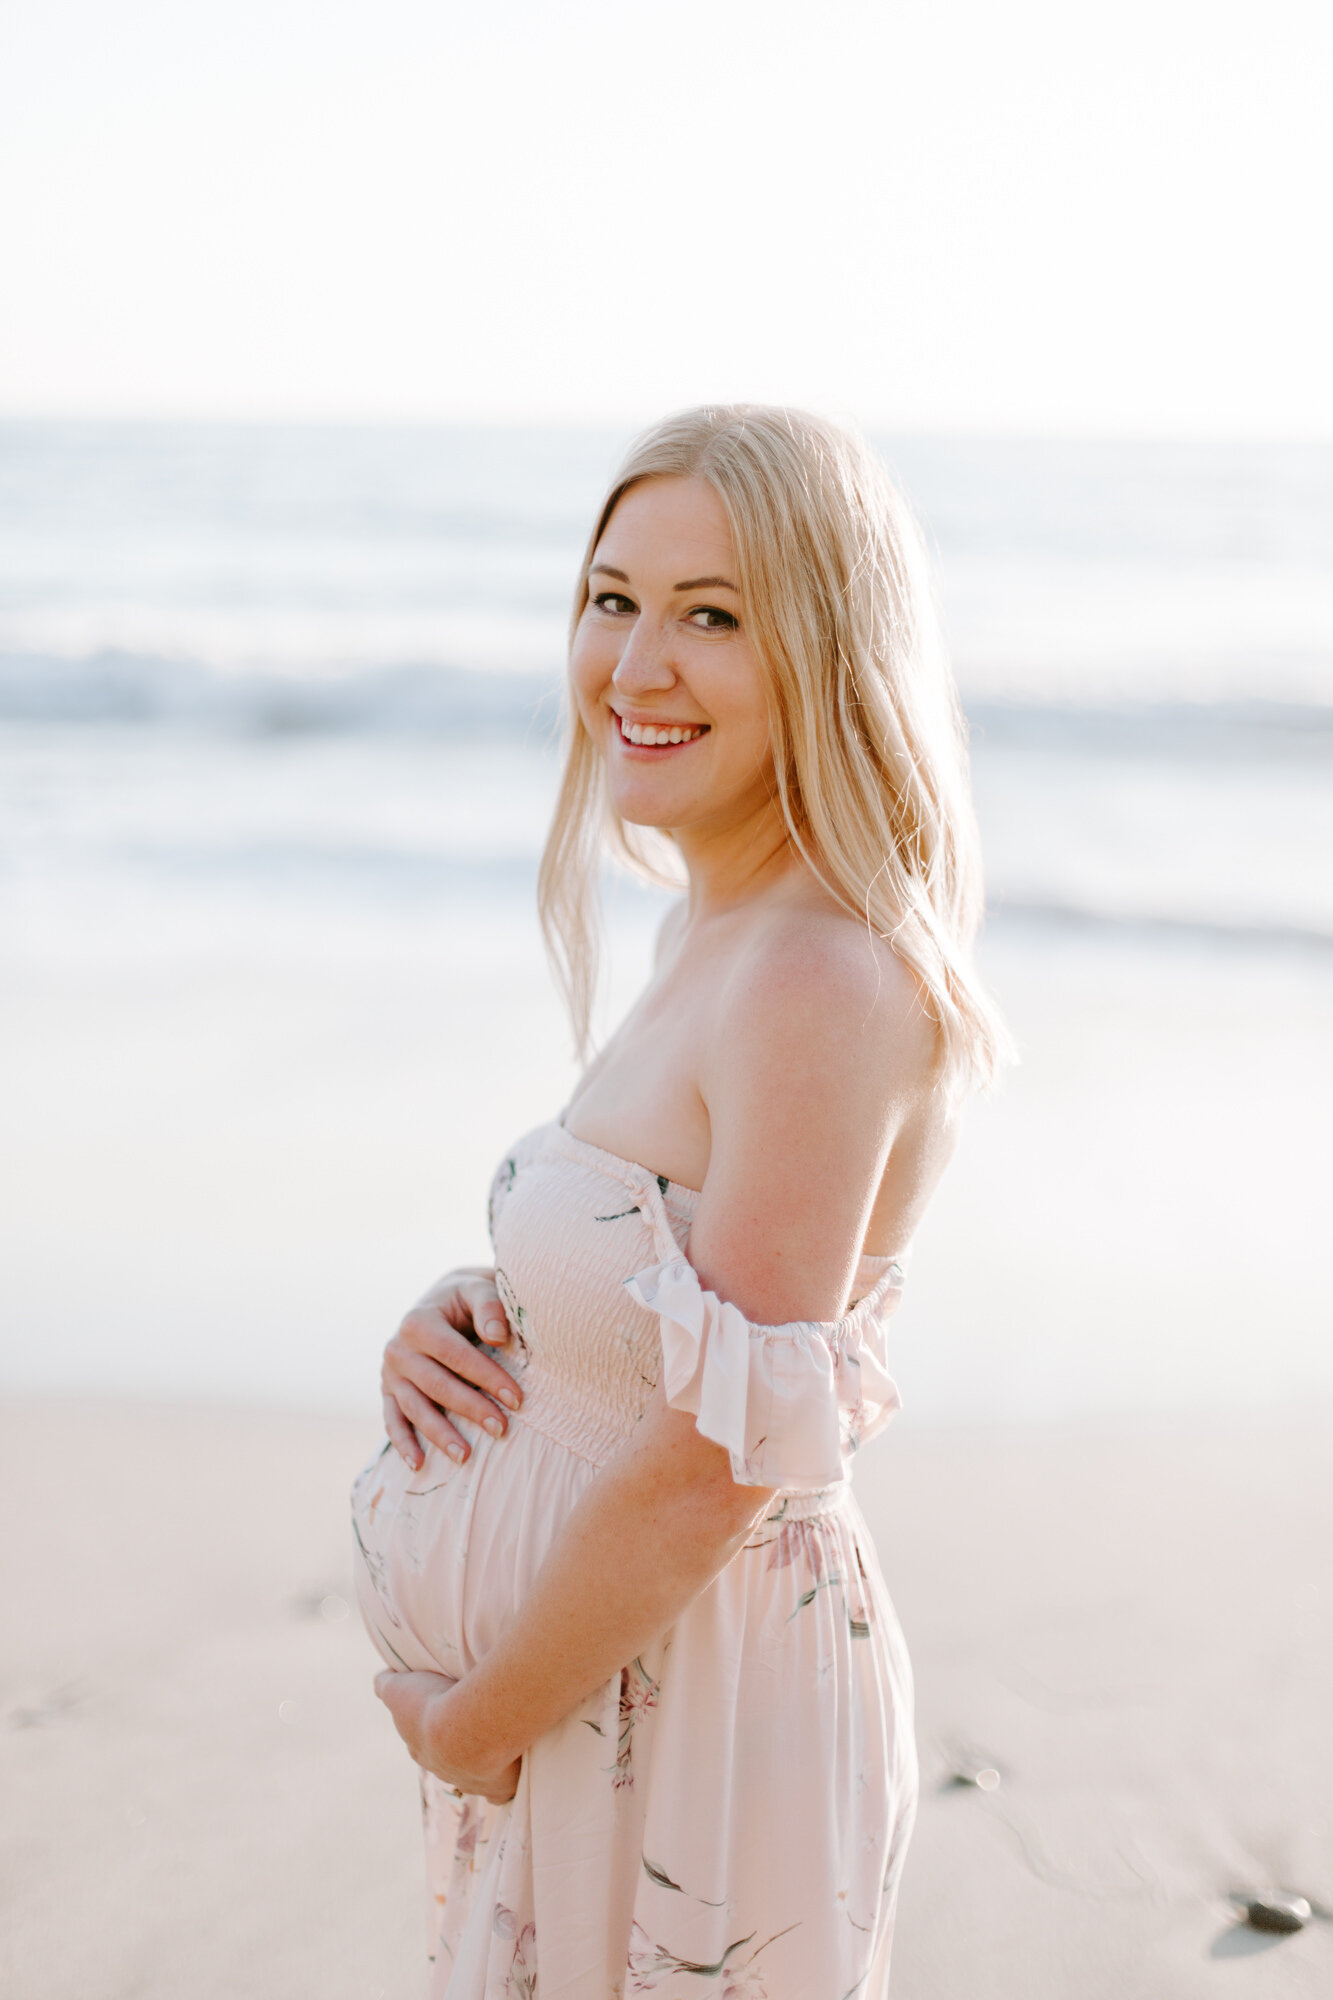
819 1057
812 989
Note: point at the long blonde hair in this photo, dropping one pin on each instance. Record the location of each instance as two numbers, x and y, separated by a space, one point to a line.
869 745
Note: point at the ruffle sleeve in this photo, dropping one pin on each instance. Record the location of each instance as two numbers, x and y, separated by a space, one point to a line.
788 1403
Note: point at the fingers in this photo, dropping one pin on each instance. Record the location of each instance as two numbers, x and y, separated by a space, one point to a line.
448 1388
427 1336
430 1422
399 1684
433 1365
469 1301
402 1436
408 1697
486 1311
503 1791
412 1700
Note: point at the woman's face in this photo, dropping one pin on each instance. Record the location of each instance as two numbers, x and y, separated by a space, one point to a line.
667 682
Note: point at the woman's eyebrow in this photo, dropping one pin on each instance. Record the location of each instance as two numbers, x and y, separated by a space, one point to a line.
691 583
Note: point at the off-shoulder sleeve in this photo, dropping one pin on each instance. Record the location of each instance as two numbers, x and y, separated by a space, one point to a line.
788 1403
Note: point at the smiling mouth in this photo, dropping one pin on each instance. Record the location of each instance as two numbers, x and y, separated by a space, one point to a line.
659 736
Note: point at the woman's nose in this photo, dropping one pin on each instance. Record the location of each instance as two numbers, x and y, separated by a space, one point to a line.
645 665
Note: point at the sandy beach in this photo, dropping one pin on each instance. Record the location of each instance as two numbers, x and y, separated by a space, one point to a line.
1131 1623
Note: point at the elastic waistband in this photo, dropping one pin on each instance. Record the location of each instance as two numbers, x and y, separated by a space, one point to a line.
806 1506
592 1435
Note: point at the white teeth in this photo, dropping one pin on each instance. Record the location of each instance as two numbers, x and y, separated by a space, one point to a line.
651 737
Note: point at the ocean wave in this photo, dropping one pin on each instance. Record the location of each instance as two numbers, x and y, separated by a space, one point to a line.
115 687
121 688
1192 732
1153 927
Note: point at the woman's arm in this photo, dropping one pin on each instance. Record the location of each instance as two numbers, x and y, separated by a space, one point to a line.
652 1531
818 1053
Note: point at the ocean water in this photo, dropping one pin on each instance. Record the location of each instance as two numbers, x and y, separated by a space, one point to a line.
278 711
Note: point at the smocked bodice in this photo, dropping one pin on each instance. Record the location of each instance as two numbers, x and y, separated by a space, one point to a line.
591 1264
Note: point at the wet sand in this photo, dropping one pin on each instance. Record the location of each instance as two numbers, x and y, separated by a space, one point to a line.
1131 1624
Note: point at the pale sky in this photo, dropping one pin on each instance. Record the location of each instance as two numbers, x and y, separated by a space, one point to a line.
934 215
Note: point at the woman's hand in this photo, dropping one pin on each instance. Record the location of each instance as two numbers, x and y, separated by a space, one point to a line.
651 1530
419 1705
434 1364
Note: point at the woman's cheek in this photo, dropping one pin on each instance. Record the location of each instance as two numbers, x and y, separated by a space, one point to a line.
590 671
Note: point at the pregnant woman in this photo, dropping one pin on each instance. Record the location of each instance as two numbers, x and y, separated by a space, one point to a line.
635 1633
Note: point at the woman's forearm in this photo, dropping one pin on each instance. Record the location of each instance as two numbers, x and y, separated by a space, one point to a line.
656 1526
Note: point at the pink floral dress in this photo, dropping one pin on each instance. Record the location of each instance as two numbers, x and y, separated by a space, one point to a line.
725 1820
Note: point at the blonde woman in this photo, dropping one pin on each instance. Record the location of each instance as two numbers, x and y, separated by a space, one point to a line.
636 1636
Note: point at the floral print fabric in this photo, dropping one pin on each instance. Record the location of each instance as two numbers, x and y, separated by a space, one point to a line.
789 1403
726 1820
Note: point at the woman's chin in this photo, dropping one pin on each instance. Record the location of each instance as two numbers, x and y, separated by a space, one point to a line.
636 812
640 804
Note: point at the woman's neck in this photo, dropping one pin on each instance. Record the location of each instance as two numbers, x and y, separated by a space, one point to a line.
730 865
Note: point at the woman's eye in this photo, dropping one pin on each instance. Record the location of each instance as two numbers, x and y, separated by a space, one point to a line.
712 618
612 601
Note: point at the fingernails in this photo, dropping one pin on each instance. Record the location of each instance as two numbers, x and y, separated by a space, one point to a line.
497 1330
456 1453
495 1426
509 1397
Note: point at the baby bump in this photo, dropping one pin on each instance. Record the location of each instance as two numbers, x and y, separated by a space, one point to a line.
446 1555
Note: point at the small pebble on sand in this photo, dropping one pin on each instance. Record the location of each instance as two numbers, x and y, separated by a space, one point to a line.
1277 1913
984 1777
